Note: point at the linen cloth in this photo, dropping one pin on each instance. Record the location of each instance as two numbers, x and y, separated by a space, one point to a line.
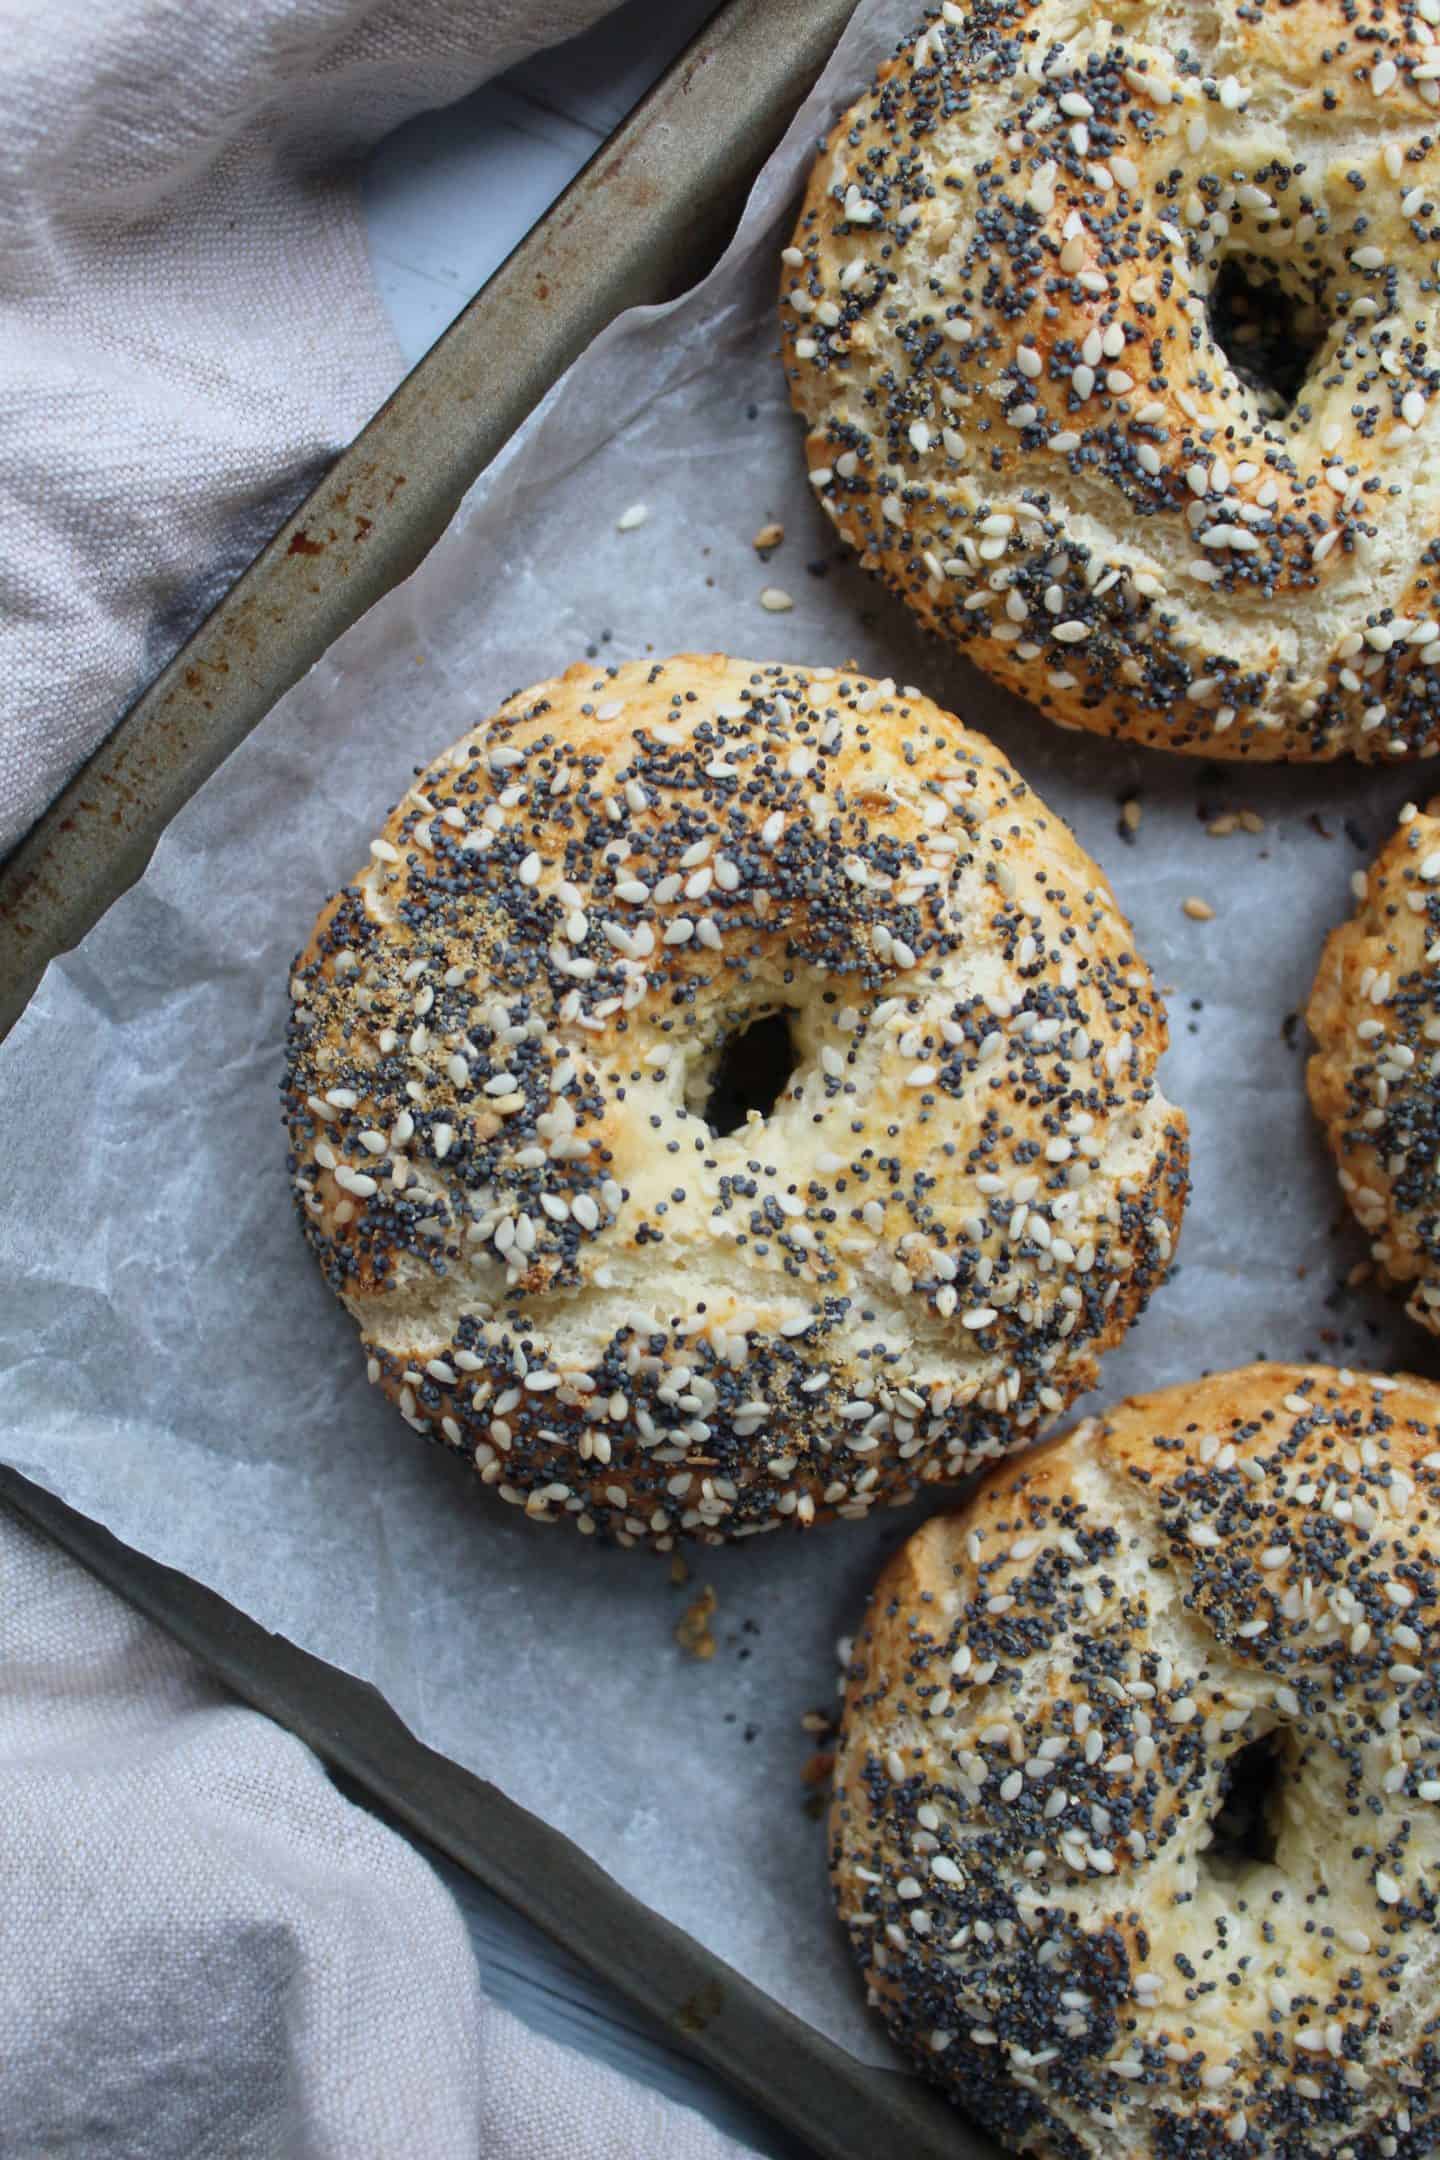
208 1950
189 329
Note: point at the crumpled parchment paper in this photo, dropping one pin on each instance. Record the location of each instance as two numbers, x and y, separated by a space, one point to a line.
170 1360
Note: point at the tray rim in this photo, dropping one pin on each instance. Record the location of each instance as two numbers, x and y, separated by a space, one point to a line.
632 228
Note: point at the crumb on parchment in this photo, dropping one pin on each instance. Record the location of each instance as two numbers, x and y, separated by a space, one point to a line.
692 1630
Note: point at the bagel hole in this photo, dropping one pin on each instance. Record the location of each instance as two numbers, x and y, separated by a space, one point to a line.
1269 336
1242 1829
751 1072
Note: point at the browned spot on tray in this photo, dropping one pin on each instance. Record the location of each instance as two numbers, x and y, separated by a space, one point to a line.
679 1572
363 525
698 2010
816 1768
302 544
640 193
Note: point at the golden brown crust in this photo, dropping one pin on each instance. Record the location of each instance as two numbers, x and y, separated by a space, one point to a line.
994 316
503 1040
1374 1079
1044 1709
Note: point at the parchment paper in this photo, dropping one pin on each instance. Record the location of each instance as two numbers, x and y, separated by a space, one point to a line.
170 1361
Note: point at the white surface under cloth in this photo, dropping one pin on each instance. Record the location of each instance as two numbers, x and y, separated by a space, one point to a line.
449 194
174 1366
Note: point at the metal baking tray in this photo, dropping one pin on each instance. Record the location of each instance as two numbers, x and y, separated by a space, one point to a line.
644 219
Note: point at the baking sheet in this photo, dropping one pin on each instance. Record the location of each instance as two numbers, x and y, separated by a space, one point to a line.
649 214
170 1362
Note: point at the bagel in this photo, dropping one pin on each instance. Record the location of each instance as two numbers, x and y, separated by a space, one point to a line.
655 1314
1136 1829
1374 1079
1001 323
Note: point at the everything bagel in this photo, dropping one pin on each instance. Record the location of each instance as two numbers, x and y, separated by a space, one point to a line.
1136 1828
727 1096
1374 1080
1002 315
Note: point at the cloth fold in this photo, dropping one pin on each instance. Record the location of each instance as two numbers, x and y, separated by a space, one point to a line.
189 329
209 1951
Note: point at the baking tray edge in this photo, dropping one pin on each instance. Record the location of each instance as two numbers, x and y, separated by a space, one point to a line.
634 227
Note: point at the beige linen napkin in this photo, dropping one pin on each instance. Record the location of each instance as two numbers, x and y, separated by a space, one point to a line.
189 330
210 1954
